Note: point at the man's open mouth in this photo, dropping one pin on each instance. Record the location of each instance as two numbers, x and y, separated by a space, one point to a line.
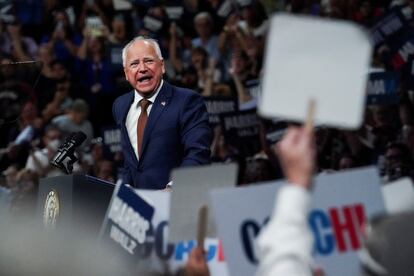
144 79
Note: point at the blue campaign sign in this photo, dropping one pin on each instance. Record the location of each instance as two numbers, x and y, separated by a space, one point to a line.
112 138
382 88
393 22
401 49
253 87
241 129
219 105
127 224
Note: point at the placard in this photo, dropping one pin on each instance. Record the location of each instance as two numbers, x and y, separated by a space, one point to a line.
127 222
241 129
162 255
402 49
324 60
190 192
341 204
399 196
112 138
382 88
393 22
219 105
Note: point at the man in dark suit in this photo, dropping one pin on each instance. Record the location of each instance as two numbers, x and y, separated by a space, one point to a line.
162 126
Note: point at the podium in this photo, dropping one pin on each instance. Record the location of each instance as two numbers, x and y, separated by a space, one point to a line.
75 202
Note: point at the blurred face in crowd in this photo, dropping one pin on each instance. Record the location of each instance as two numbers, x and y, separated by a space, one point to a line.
77 117
59 71
105 170
143 67
29 112
199 58
406 115
61 16
203 27
157 12
97 152
382 115
365 8
118 28
189 79
346 162
393 155
248 13
52 139
7 70
45 54
52 134
239 63
95 45
408 136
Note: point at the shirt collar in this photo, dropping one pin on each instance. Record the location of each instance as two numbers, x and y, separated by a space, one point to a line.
138 97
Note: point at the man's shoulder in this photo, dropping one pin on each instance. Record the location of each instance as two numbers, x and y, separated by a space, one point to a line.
123 101
124 97
60 119
182 91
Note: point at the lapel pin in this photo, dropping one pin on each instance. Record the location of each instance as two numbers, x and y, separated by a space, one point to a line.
163 103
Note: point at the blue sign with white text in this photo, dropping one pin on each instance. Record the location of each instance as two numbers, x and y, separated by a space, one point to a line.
127 223
382 88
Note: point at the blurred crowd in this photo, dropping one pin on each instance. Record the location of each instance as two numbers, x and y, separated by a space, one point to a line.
61 70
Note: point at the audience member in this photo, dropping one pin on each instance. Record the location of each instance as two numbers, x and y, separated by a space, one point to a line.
39 159
285 244
204 26
75 120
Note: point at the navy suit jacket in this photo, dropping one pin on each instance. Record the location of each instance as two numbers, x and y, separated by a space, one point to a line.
177 133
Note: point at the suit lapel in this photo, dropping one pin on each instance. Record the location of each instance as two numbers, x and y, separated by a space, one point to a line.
125 110
160 104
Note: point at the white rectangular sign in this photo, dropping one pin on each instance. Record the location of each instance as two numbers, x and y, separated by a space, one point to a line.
399 196
190 192
162 255
321 59
341 204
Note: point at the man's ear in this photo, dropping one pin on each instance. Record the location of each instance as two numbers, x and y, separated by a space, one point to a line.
126 74
163 67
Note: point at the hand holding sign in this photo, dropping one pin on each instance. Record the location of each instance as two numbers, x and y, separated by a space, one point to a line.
196 265
297 152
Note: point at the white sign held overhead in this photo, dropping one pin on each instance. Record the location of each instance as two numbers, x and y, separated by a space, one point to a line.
311 58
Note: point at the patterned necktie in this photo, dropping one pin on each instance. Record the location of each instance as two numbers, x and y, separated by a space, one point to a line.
142 121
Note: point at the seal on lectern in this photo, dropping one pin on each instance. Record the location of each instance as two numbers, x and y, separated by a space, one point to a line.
51 209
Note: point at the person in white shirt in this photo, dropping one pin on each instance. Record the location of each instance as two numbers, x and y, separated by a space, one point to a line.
285 245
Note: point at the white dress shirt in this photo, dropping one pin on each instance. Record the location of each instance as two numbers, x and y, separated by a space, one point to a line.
284 246
133 115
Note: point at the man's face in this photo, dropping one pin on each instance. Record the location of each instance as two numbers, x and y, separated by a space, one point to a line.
203 27
59 71
143 68
78 117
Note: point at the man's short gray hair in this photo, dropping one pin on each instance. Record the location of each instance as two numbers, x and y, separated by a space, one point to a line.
143 38
203 15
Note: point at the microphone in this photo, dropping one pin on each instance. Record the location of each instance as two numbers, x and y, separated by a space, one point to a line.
65 156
